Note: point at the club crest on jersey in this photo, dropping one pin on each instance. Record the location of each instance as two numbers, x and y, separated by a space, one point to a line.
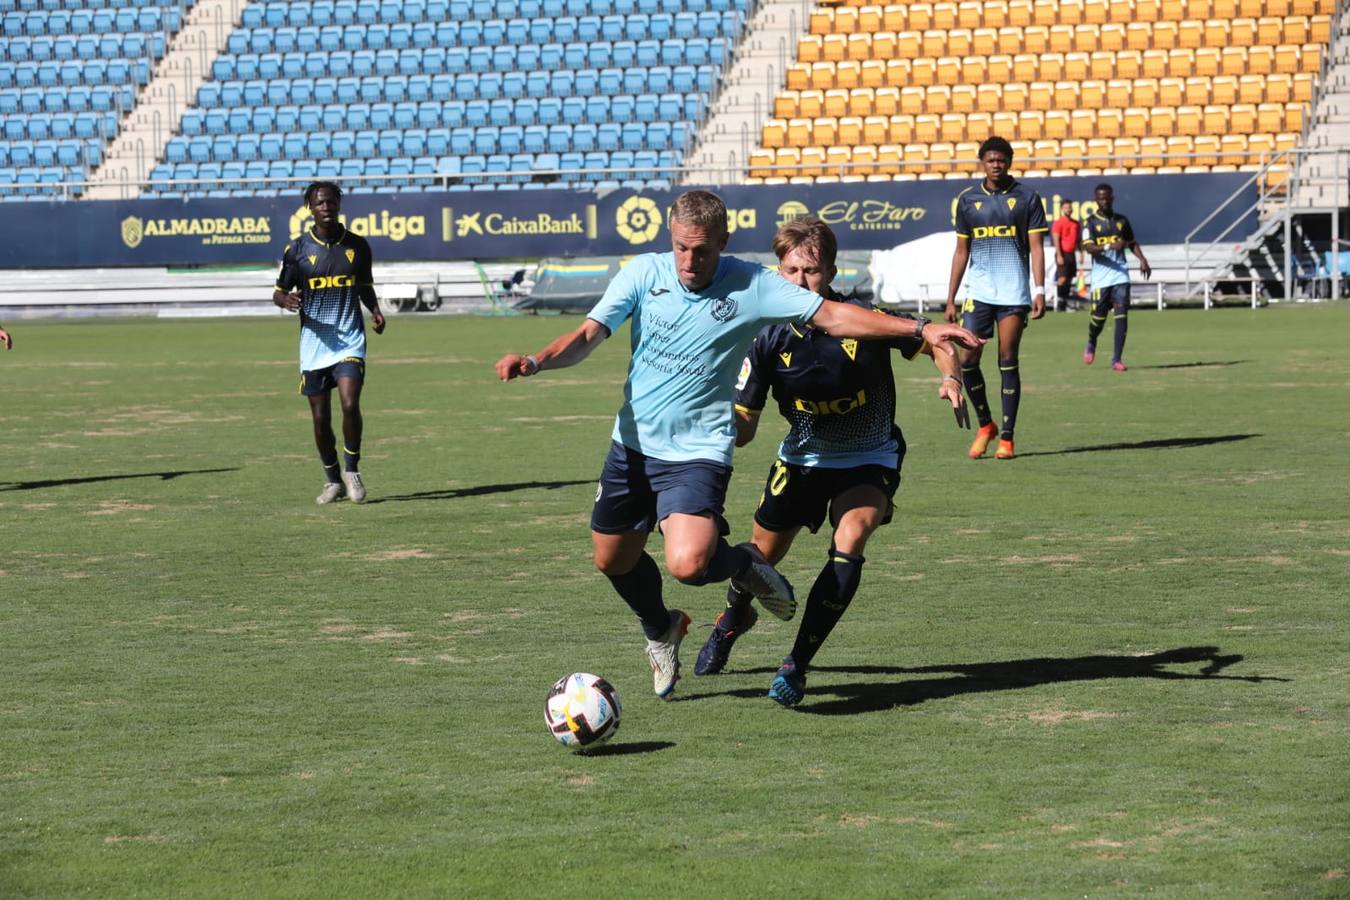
351 256
786 358
1012 202
851 348
978 204
313 259
723 309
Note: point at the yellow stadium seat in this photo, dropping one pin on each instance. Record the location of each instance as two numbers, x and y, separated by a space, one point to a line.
873 73
1021 13
1263 145
1102 65
1072 150
1225 9
1010 40
949 70
850 130
900 129
920 16
886 101
835 103
1304 29
968 152
870 19
1319 30
883 45
824 131
898 72
1119 92
1302 88
1005 123
944 15
1242 118
861 102
916 158
822 20
1031 124
1275 180
822 75
1015 96
1051 67
1242 33
1197 9
1044 152
1063 95
1125 151
1171 91
1207 150
940 157
761 163
938 99
1041 95
964 98
1260 60
1083 123
845 20
859 47
908 44
810 48
927 128
813 162
953 126
1293 117
1311 58
1279 89
1162 121
1215 118
1190 120
984 41
888 159
974 70
959 42
1134 121
895 17
1153 151
1190 34
1091 94
798 132
1057 123
913 100
1110 123
834 47
863 160
1097 11
923 72
1100 151
1234 60
1044 12
1077 67
798 77
934 43
1233 149
1224 90
1197 91
1270 30
1109 36
989 97
1287 58
787 157
848 74
1035 38
1146 11
1286 141
876 130
774 133
1207 61
1155 63
1022 150
785 105
1025 67
1144 92
999 69
971 14
1071 12
1129 64
1253 8
1179 150
1165 35
1061 39
810 104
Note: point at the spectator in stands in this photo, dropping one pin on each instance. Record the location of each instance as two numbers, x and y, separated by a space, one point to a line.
999 227
1106 236
6 340
693 312
325 276
841 456
1065 235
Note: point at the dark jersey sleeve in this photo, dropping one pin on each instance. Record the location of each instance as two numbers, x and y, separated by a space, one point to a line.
752 390
289 277
1126 232
909 347
1036 215
959 218
362 274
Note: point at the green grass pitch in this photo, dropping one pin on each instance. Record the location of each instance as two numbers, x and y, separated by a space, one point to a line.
1113 666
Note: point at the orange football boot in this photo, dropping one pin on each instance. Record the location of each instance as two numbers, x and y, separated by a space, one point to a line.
1005 450
982 438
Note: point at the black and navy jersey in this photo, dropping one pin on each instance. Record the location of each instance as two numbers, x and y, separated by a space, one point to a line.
1110 266
1001 226
327 276
838 395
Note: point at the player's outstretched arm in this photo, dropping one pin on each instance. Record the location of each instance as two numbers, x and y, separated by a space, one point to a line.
6 340
844 320
565 350
960 259
368 299
1037 277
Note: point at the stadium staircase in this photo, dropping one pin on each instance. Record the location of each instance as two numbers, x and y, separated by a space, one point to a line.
149 126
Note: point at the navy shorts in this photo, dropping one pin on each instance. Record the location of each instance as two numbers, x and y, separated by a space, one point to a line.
637 492
801 495
314 382
1116 297
980 317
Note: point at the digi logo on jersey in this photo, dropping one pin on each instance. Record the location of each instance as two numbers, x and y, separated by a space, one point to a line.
839 407
215 230
985 231
320 282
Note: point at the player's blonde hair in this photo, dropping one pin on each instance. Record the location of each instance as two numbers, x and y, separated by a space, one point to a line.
809 234
700 209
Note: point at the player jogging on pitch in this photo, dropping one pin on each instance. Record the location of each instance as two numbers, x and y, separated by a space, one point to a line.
1106 237
841 456
999 225
325 276
693 312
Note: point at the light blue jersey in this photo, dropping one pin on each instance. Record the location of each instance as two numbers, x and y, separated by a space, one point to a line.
1110 267
688 348
1000 226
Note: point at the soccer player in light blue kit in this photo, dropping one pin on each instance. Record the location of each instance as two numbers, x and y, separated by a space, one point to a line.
1106 236
694 312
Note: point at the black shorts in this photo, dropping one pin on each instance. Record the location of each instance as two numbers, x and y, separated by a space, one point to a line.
1065 274
980 317
636 492
801 495
1116 297
315 382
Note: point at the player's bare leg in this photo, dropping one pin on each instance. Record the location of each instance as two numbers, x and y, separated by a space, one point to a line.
321 411
740 615
349 395
630 569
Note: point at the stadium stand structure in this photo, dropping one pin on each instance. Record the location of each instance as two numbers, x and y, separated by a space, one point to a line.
68 73
907 91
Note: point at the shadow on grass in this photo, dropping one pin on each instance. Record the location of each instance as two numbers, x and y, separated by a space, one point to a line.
849 698
1197 365
628 749
456 493
1159 444
94 479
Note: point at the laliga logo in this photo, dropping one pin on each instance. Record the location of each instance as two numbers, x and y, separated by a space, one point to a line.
791 211
638 220
133 230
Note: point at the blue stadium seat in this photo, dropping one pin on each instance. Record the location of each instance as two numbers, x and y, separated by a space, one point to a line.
454 113
438 141
428 114
645 108
550 111
396 88
551 56
561 83
461 141
534 139
414 142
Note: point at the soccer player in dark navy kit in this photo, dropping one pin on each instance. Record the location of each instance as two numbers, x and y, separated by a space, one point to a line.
692 313
1106 236
326 277
841 457
1000 225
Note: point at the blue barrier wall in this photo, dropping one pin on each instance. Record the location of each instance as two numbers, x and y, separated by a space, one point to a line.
488 225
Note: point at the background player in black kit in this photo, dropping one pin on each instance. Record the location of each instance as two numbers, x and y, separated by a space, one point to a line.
325 276
842 455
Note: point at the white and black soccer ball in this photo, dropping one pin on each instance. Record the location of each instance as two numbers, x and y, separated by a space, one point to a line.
582 710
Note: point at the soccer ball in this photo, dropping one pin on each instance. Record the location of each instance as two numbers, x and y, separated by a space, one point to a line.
582 710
